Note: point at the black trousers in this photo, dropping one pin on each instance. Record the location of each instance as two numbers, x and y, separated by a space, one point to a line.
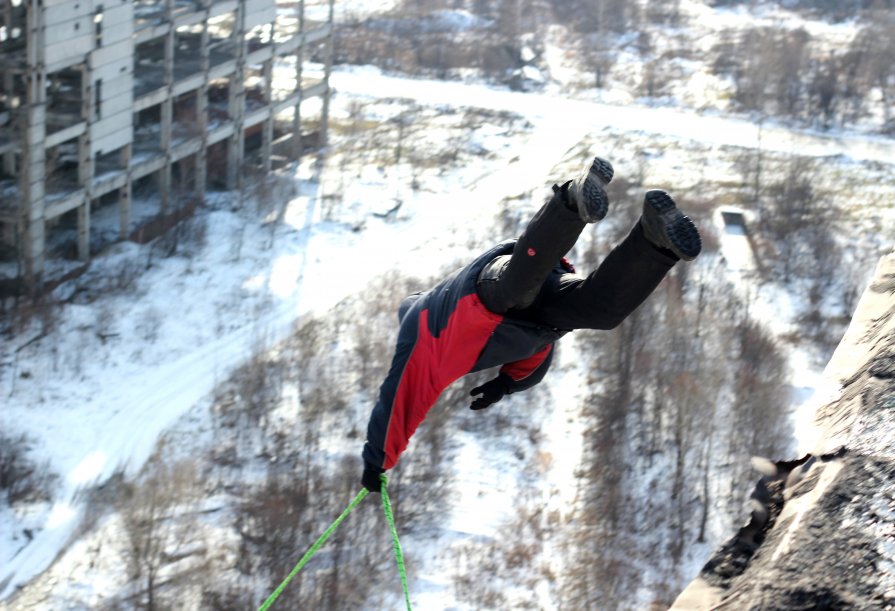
526 284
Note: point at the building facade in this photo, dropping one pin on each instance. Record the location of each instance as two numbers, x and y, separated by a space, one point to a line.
99 98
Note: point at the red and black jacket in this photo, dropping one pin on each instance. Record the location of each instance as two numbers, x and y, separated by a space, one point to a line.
446 333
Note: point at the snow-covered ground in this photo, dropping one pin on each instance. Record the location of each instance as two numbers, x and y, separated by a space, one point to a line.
579 116
97 412
95 407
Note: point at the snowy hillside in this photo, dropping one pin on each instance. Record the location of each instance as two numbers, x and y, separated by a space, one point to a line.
420 175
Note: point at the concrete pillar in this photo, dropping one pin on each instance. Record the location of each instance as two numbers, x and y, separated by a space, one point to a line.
124 195
236 144
32 172
201 169
84 230
267 127
201 166
9 159
296 132
167 111
327 70
85 179
297 145
86 164
32 178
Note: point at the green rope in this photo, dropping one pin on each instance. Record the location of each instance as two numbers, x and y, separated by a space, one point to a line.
399 557
317 544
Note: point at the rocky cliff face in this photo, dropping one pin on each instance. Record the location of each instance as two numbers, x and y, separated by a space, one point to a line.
822 530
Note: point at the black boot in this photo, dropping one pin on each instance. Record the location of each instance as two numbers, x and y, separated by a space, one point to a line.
667 227
587 193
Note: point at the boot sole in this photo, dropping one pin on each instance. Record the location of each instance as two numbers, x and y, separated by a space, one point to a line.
594 197
680 232
603 169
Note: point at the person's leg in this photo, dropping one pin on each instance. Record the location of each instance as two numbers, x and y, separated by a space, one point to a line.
628 275
625 278
513 281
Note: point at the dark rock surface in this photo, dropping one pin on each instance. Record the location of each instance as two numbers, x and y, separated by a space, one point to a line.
822 531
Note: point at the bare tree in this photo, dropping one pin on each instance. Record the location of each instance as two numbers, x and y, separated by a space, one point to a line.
759 423
800 222
21 478
824 88
161 536
514 555
605 576
766 65
878 48
666 12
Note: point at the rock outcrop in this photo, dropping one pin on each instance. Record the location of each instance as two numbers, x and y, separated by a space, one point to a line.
822 531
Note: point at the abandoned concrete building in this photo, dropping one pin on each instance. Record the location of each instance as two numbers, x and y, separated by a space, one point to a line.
105 101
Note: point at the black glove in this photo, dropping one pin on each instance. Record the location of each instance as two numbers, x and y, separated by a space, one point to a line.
491 391
370 478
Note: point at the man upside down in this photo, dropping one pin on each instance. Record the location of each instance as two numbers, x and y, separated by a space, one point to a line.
511 304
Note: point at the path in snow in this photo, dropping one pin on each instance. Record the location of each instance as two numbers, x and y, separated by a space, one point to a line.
583 117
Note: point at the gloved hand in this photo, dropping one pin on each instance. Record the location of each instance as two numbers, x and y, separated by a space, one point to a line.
491 391
370 479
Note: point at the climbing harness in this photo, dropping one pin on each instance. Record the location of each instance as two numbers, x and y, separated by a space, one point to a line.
390 518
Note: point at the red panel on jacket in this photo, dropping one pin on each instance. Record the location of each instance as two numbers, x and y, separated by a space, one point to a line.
435 363
524 368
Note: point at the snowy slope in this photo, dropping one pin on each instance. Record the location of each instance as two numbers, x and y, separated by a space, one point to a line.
109 415
583 117
98 408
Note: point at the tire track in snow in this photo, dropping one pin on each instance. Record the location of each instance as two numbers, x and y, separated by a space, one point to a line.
583 116
155 400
